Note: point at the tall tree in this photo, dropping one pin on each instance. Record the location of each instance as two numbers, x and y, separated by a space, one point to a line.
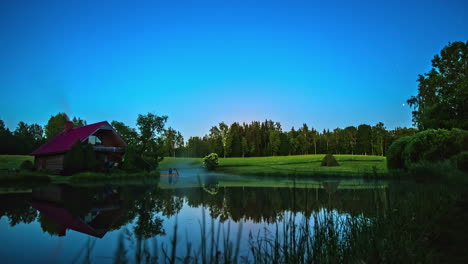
274 142
179 142
151 127
379 134
351 137
304 130
224 129
77 122
216 141
7 140
234 141
128 134
170 141
364 139
245 146
55 125
442 96
173 141
314 138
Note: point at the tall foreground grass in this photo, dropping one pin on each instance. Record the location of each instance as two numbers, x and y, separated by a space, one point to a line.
402 230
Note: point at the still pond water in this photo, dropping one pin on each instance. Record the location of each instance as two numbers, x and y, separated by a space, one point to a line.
135 223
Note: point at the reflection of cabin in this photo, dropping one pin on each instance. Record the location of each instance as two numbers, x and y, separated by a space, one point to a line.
107 144
94 218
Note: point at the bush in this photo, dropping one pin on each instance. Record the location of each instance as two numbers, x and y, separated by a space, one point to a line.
27 165
80 157
435 145
210 162
461 161
329 161
133 162
395 153
432 145
425 170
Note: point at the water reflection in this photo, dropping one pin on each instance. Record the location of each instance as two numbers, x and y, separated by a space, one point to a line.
97 210
91 212
216 221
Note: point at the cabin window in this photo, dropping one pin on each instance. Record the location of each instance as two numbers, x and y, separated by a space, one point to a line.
93 140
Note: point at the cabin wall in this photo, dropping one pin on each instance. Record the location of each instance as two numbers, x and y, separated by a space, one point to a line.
50 162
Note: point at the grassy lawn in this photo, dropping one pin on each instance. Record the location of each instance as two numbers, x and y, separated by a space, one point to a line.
13 161
306 165
288 165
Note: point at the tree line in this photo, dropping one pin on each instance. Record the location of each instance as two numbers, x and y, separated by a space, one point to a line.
150 139
27 137
257 139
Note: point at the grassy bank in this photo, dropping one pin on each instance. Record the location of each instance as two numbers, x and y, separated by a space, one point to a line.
306 165
13 161
10 174
90 177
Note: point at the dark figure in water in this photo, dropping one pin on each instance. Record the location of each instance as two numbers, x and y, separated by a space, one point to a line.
176 175
169 176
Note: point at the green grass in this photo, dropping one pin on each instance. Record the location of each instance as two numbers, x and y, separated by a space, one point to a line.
180 163
13 161
10 163
30 177
350 165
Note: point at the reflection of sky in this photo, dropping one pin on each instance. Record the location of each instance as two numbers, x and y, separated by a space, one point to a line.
27 243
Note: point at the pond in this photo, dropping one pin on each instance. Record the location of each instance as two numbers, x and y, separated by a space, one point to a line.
208 219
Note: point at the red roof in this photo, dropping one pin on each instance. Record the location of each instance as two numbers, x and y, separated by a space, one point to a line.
65 140
65 220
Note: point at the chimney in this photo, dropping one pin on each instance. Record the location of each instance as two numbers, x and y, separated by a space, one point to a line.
68 126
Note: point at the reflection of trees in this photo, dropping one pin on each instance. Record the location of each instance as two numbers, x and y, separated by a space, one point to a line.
24 214
147 204
49 226
269 204
144 204
16 209
148 224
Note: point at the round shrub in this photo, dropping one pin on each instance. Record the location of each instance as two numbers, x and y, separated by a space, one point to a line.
434 145
210 162
395 153
27 165
329 161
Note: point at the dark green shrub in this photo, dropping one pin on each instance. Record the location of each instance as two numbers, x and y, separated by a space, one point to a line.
434 145
425 170
80 157
210 161
150 163
329 161
27 165
90 159
395 153
133 162
461 161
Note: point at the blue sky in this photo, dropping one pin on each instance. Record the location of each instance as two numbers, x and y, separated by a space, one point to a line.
328 64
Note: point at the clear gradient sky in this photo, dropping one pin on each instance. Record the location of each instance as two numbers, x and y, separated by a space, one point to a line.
328 64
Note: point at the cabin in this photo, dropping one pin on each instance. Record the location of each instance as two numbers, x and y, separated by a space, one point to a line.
107 143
